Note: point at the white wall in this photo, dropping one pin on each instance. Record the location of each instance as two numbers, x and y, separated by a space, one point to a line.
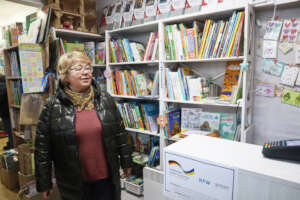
273 120
13 12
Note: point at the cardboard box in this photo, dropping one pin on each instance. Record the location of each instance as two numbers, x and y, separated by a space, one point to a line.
25 157
9 179
24 179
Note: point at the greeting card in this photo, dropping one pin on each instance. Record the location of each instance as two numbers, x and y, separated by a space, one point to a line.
270 49
128 10
151 8
273 67
291 97
265 89
289 75
289 30
285 47
273 30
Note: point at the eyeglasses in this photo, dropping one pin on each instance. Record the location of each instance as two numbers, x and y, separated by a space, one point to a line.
81 68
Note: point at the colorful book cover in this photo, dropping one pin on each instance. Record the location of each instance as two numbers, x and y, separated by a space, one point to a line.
89 49
100 53
174 121
69 47
228 124
209 122
231 77
190 118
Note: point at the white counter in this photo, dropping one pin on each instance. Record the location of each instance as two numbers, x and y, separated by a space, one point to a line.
253 176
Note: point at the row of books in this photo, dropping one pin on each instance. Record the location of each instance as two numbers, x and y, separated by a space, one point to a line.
16 91
216 39
188 121
134 83
183 85
139 115
123 50
95 51
14 63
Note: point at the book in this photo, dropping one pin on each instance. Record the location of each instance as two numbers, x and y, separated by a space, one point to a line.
232 72
174 121
89 49
190 118
100 53
69 47
228 125
209 122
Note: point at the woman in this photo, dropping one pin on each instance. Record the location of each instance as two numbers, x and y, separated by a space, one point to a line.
81 131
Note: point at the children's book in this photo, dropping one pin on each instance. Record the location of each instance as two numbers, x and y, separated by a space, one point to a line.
89 49
174 121
190 118
209 122
231 77
228 124
69 47
100 53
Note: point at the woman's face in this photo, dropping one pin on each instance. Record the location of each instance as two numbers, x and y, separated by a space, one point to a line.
80 76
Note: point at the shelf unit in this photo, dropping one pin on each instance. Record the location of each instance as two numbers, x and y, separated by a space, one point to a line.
72 35
12 79
15 84
140 33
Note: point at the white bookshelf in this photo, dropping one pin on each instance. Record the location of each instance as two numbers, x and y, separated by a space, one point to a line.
146 132
204 102
64 33
238 58
135 97
135 63
99 65
141 33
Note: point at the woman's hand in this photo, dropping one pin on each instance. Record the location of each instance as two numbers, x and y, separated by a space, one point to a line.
127 172
47 194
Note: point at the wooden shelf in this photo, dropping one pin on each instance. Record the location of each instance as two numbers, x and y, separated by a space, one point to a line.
11 48
146 132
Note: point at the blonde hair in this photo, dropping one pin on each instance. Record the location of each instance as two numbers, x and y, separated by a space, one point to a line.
69 59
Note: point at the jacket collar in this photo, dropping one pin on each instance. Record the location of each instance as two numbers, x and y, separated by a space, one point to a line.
64 97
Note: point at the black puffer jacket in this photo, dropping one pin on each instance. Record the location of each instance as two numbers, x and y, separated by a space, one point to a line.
56 141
